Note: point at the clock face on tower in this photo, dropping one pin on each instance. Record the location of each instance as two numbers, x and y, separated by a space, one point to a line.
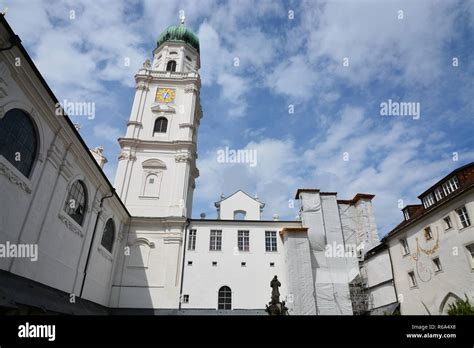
165 95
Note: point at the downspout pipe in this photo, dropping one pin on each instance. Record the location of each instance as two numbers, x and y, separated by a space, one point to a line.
188 222
393 273
86 267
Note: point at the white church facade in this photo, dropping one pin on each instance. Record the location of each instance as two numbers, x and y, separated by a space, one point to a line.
133 247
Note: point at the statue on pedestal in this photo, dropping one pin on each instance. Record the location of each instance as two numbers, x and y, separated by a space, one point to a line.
276 307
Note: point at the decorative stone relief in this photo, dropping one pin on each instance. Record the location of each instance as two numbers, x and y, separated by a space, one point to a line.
14 178
182 158
141 86
190 89
104 253
70 225
125 155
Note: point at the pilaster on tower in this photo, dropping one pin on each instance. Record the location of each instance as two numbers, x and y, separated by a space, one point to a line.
157 164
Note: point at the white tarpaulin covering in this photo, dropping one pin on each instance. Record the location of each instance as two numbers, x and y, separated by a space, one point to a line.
332 274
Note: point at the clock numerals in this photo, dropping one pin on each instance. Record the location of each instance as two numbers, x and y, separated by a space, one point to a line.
165 95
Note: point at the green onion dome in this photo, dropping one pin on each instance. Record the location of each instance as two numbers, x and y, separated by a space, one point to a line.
179 33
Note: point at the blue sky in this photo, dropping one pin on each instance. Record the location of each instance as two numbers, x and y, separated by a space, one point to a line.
283 62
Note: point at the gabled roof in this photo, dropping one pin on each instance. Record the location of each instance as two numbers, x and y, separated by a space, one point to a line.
218 203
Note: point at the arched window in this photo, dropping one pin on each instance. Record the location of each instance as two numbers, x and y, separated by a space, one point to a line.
108 236
171 66
76 202
239 214
161 124
225 298
18 140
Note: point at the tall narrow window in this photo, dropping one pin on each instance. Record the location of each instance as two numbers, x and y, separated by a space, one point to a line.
224 300
243 240
470 250
270 241
161 125
437 265
215 242
108 236
18 140
404 244
412 279
192 240
463 217
171 66
76 202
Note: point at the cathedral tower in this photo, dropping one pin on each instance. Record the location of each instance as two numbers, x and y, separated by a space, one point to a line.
157 165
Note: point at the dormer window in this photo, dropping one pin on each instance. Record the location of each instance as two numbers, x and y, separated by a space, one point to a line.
451 185
439 194
428 200
171 66
406 214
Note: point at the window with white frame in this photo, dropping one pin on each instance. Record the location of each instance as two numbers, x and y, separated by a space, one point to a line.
439 194
428 233
404 244
192 240
437 264
215 242
428 200
463 217
412 279
224 300
451 185
243 240
406 214
447 223
270 241
185 299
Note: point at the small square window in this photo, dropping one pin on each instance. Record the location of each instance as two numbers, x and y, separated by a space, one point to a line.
190 263
428 233
243 264
185 298
437 265
447 222
272 264
151 181
214 263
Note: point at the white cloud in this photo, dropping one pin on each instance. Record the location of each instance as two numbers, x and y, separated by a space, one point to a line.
107 133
